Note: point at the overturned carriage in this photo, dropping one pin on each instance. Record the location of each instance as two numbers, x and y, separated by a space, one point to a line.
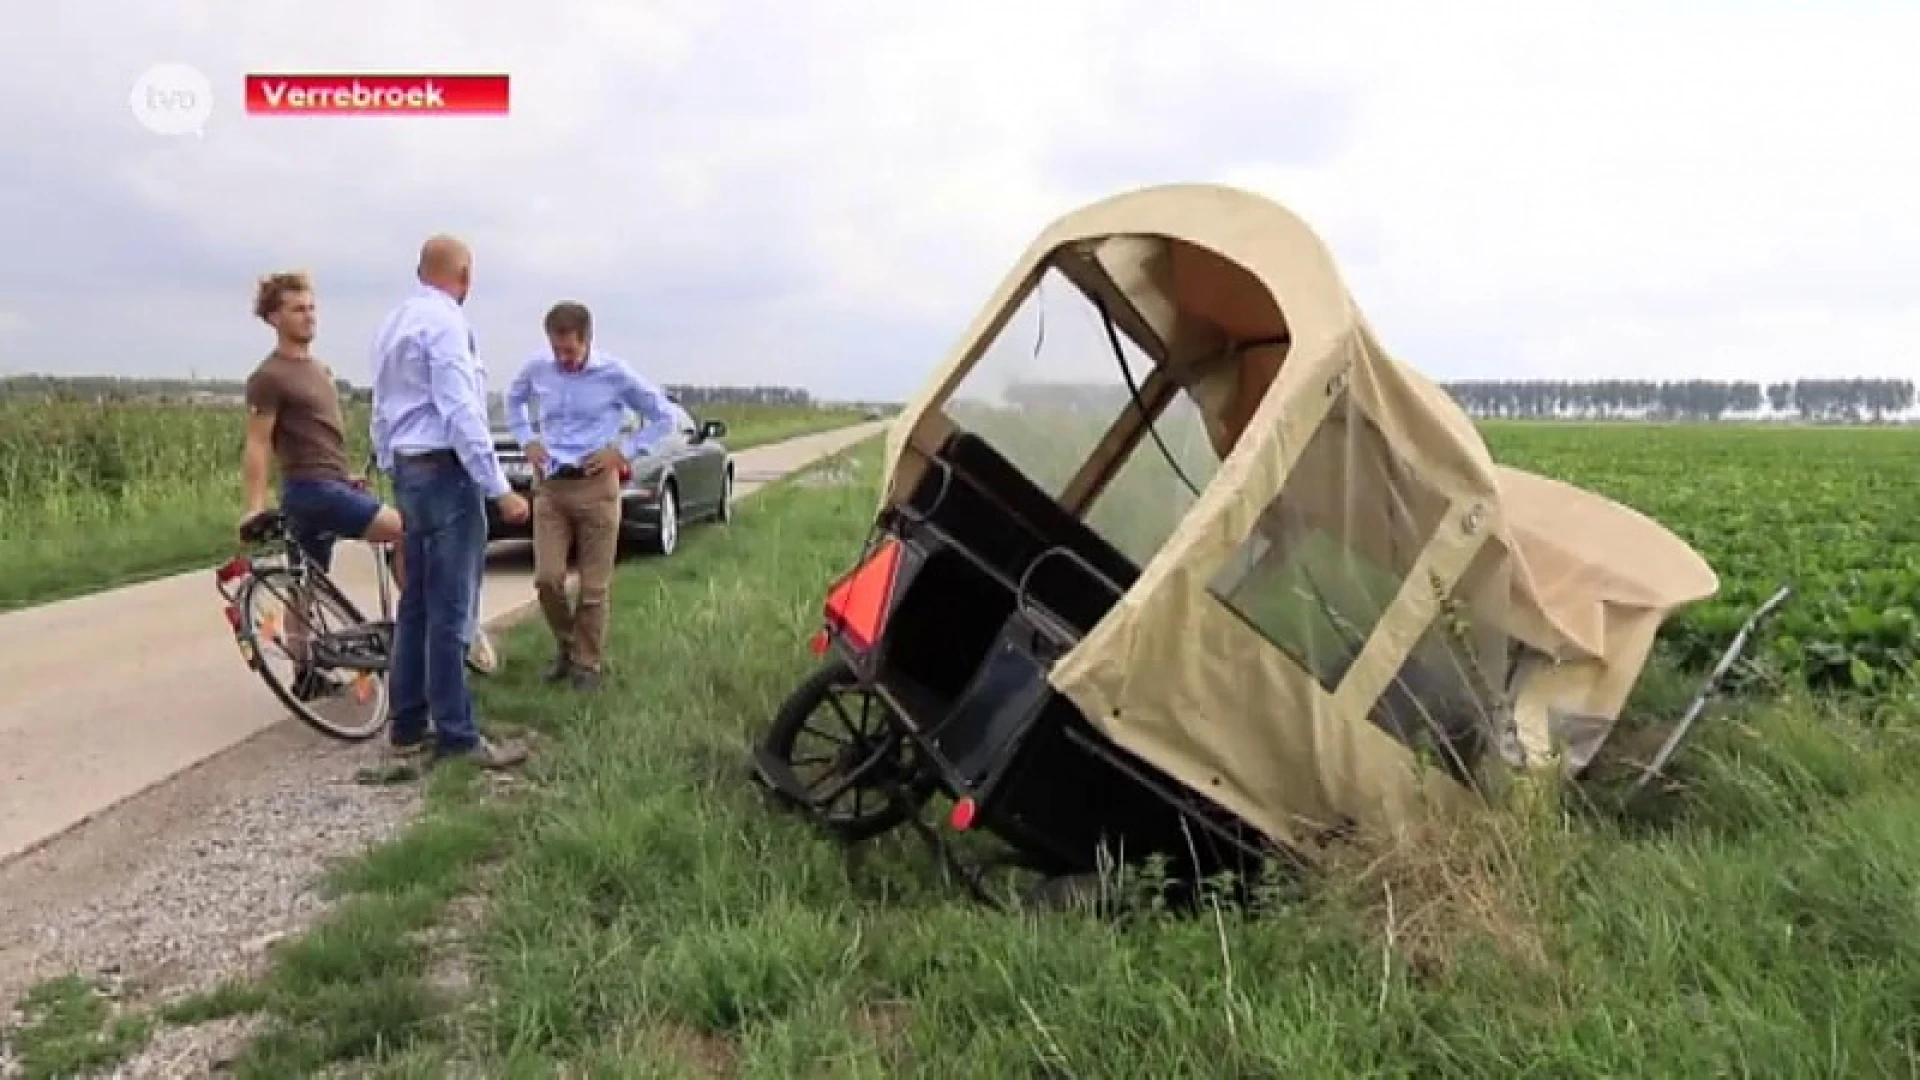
1172 554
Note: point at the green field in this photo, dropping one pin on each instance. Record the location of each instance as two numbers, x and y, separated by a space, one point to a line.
98 495
647 915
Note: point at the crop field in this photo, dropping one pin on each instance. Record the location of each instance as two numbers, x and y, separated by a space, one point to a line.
98 495
644 912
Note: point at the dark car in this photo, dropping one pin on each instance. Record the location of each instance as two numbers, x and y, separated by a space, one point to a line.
688 476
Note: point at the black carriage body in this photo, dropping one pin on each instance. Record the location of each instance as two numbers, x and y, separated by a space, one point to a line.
993 582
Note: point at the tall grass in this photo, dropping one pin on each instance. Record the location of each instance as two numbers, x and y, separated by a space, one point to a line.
101 494
66 464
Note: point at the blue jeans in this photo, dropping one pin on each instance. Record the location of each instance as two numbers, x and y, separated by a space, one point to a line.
320 512
446 536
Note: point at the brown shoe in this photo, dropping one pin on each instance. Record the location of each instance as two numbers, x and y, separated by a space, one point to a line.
561 667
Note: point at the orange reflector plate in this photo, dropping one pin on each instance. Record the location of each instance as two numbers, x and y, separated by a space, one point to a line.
858 603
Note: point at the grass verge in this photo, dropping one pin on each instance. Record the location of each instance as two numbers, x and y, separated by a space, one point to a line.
647 915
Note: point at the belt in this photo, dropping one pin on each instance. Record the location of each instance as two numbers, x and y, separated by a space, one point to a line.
428 455
567 472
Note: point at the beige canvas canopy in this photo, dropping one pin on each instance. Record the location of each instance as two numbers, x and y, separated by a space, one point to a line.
1359 613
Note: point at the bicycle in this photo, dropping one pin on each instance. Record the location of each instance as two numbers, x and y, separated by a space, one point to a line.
358 648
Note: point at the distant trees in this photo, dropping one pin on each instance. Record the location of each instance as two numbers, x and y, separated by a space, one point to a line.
1812 400
113 388
1826 401
121 388
789 396
1822 401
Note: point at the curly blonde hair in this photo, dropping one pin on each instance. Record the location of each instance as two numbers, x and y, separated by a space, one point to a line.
274 288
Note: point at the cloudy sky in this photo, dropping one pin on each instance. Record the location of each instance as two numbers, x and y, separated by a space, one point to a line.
822 194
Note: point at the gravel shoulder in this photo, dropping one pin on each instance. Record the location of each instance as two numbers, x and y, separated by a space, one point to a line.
187 884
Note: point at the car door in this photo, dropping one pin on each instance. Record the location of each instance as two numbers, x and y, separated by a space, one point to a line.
706 461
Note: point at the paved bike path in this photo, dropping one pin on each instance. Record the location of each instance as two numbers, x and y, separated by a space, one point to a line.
103 696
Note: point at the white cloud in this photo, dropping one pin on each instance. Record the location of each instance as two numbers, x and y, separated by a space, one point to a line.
1679 181
824 193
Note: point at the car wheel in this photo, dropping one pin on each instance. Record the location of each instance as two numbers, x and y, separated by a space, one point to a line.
725 513
666 538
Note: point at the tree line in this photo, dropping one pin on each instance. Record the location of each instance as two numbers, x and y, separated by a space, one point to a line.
695 396
1811 400
113 388
1808 400
1827 401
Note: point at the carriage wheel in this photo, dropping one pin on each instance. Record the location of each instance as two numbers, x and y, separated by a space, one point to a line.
855 774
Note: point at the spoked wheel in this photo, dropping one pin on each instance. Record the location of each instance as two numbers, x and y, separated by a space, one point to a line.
336 697
836 753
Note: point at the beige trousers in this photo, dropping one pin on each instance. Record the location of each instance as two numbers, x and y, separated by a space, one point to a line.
582 515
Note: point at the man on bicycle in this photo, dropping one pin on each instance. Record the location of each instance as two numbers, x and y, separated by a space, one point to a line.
294 422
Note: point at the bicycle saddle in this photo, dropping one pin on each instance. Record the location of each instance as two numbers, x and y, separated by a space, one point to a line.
263 526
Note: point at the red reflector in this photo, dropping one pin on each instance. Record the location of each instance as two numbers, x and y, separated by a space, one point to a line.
817 644
233 618
858 603
233 568
961 819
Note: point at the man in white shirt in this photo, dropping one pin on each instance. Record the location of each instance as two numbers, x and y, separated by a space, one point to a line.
430 433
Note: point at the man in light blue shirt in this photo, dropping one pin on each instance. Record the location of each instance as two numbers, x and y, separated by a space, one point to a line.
579 457
430 433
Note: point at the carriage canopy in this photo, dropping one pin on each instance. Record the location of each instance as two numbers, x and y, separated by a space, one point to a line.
1347 612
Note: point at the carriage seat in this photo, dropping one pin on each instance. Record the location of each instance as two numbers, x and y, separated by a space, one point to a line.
990 508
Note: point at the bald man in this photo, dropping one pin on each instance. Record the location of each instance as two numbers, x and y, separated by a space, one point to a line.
430 433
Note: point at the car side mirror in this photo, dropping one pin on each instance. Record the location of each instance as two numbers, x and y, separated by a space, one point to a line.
713 429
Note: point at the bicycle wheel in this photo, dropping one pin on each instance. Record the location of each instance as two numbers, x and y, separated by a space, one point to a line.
342 703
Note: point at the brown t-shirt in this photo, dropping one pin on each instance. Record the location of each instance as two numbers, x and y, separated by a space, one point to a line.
309 433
